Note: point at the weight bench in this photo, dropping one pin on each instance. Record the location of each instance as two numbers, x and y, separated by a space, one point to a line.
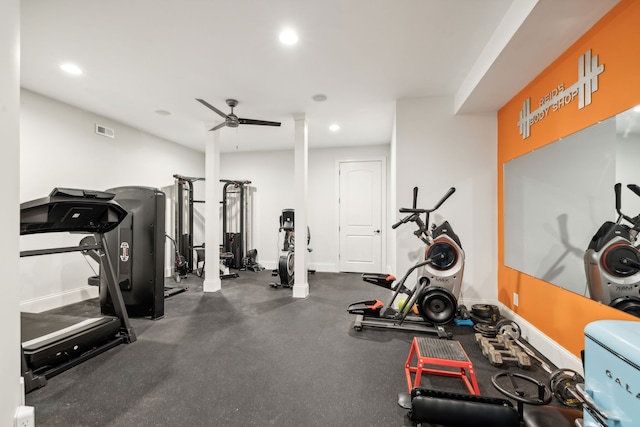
461 410
469 410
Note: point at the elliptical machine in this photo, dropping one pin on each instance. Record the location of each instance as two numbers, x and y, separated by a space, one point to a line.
286 260
612 262
439 280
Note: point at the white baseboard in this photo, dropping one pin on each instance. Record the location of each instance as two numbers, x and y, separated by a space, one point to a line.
326 267
553 351
49 302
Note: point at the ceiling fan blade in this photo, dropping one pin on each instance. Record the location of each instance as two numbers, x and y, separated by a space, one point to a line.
221 125
211 107
257 122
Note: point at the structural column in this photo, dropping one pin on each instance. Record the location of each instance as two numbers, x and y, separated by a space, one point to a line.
212 237
301 282
11 390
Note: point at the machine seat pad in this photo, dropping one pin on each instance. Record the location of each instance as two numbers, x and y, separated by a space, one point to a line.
461 410
543 416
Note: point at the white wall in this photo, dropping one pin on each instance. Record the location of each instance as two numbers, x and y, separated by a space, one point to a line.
271 172
59 148
435 150
10 394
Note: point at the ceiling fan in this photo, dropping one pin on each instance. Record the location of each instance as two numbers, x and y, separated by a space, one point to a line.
231 119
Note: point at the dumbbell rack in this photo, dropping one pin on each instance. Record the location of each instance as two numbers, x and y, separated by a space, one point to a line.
501 349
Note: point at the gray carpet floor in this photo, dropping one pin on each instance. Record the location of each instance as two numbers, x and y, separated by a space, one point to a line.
250 355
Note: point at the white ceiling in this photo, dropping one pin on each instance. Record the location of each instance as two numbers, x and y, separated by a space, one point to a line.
140 56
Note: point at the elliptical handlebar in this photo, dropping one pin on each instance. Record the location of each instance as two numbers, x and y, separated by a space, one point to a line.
635 222
420 211
414 214
404 221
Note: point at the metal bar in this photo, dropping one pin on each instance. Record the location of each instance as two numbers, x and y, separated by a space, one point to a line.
114 290
50 251
188 254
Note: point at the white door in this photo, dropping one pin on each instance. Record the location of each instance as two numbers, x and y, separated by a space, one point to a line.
360 208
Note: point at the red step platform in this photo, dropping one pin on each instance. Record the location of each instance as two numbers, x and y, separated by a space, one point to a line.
433 354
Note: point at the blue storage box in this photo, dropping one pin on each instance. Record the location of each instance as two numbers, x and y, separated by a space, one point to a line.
612 371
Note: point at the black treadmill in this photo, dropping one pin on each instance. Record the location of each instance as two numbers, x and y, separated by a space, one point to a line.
53 343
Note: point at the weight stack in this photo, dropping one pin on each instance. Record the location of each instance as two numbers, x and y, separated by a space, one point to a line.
233 244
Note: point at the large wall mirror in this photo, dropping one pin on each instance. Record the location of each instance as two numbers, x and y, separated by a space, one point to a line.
557 198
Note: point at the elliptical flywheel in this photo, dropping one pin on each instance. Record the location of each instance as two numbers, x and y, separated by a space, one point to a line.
437 306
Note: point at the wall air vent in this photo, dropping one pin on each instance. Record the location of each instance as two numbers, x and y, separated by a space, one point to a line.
105 131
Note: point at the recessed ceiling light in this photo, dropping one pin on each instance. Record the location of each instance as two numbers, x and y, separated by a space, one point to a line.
288 36
71 69
163 112
319 97
636 109
334 127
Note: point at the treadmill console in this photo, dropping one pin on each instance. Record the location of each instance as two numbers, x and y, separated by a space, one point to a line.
73 210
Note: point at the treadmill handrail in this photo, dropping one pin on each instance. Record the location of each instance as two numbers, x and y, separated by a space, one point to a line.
35 252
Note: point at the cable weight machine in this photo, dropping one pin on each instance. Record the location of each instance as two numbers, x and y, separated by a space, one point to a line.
183 243
233 252
235 206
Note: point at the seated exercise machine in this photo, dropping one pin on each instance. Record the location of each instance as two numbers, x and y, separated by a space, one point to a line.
53 343
225 261
612 261
286 260
439 280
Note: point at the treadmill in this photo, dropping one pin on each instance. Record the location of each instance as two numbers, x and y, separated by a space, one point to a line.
53 343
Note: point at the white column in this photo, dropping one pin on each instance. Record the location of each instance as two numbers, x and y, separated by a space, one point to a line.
11 393
212 237
301 282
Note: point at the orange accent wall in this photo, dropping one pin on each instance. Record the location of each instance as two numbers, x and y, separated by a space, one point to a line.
560 314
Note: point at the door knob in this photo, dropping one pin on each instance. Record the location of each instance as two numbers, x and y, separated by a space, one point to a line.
376 231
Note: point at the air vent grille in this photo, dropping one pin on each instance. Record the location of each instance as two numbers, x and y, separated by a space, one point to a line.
105 131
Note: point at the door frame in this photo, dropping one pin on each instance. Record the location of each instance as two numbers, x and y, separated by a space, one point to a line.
383 202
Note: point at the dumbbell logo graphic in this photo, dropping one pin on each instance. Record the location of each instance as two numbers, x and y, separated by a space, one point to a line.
561 96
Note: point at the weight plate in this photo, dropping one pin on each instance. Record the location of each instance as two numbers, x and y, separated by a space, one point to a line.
509 328
562 382
481 310
443 254
612 256
487 330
